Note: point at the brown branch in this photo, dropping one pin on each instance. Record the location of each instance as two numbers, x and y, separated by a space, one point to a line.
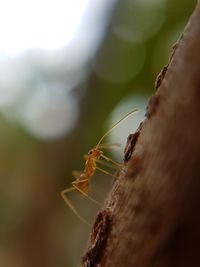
153 207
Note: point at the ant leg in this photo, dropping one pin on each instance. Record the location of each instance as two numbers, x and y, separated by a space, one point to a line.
109 146
107 164
109 159
76 186
110 174
68 202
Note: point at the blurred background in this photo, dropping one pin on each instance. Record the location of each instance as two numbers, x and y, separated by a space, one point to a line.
68 71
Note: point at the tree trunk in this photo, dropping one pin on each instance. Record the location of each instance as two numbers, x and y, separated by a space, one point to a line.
151 216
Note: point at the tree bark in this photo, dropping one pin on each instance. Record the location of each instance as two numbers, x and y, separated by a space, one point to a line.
151 216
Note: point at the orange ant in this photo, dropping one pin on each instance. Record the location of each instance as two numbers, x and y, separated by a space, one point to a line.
82 179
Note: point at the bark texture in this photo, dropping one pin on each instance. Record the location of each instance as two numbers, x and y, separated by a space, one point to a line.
151 217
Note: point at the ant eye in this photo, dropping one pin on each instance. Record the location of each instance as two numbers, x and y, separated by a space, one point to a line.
90 152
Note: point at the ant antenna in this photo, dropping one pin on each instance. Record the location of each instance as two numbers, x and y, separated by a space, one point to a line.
115 125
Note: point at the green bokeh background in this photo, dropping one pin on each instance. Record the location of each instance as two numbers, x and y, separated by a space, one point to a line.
36 227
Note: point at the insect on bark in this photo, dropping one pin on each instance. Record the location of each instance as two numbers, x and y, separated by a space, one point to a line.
94 158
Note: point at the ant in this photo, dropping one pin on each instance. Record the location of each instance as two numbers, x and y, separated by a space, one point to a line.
94 156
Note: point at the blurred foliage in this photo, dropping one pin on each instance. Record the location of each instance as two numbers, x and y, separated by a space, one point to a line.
36 228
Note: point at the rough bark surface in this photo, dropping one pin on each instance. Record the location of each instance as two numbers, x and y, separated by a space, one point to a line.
151 217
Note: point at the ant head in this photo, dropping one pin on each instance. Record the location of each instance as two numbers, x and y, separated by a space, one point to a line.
94 153
91 152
